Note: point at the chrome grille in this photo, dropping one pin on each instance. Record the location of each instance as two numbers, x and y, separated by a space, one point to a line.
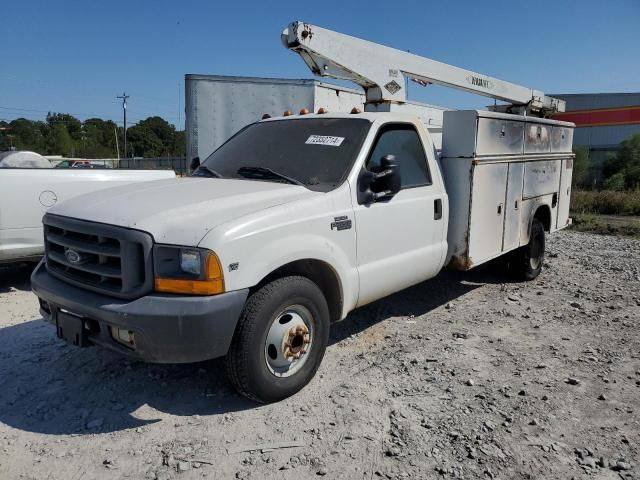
99 257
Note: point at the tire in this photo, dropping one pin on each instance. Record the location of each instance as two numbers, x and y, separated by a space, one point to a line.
285 322
528 260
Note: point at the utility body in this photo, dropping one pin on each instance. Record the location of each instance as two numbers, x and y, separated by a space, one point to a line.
291 224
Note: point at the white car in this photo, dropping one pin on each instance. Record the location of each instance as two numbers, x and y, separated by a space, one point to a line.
27 193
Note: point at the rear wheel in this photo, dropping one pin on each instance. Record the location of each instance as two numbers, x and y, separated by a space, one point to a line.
280 340
527 261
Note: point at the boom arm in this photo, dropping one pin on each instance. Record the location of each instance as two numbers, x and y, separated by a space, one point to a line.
381 70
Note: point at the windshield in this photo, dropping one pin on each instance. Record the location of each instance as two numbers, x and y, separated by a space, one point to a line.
315 152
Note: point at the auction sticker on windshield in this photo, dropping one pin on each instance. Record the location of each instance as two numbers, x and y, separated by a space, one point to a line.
324 140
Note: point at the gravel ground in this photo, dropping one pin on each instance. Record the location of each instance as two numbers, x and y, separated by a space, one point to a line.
462 376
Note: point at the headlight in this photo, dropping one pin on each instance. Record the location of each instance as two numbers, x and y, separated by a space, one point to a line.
194 271
190 261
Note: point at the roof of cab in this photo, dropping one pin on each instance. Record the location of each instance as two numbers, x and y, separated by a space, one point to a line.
370 116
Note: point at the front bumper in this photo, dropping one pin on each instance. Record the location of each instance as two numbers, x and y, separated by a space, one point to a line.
167 328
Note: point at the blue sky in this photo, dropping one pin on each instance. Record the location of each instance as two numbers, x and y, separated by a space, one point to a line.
76 56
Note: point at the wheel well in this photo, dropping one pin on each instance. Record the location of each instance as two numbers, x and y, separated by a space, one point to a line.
544 215
320 273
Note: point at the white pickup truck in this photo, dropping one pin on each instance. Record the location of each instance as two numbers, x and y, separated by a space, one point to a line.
290 225
27 193
297 220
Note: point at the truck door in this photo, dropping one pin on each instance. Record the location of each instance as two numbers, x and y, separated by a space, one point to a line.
400 241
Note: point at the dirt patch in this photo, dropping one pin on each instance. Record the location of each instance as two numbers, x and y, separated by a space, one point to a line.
466 375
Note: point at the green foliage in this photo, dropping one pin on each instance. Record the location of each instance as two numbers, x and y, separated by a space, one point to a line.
580 166
71 124
605 202
60 141
615 182
154 137
63 134
626 163
620 226
143 142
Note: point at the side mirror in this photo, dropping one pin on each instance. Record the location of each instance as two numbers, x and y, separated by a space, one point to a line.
379 185
195 163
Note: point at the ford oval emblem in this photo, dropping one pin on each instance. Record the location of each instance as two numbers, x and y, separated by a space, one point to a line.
73 257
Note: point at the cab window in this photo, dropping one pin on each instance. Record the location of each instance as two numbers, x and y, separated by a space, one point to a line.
402 141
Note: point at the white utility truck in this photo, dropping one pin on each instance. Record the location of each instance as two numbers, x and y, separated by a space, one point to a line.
297 220
27 193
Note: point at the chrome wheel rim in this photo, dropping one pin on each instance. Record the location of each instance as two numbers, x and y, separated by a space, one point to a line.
289 341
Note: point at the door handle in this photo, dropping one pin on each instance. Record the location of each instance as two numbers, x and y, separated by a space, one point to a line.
437 209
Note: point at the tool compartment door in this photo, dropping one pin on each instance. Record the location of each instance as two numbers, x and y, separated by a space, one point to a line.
486 224
564 195
513 207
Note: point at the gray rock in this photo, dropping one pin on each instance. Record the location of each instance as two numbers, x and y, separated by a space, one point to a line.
622 466
572 381
489 426
183 466
392 451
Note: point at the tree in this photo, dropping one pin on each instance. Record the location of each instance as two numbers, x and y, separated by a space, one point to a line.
26 134
59 141
98 139
580 167
626 162
63 134
180 144
143 142
615 182
163 130
71 123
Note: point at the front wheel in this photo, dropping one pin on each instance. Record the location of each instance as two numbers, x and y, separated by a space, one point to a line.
280 340
527 260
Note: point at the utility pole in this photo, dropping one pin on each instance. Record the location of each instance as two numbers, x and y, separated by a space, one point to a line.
124 97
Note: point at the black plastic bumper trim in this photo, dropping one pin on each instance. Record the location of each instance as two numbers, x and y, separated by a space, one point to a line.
167 328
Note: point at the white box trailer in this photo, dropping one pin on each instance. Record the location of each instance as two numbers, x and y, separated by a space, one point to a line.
498 170
218 106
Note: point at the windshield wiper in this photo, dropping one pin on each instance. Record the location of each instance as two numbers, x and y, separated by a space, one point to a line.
204 168
266 173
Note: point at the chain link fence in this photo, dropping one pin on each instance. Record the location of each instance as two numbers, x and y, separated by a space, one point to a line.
177 164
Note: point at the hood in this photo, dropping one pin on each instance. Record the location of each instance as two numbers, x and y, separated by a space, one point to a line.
182 210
